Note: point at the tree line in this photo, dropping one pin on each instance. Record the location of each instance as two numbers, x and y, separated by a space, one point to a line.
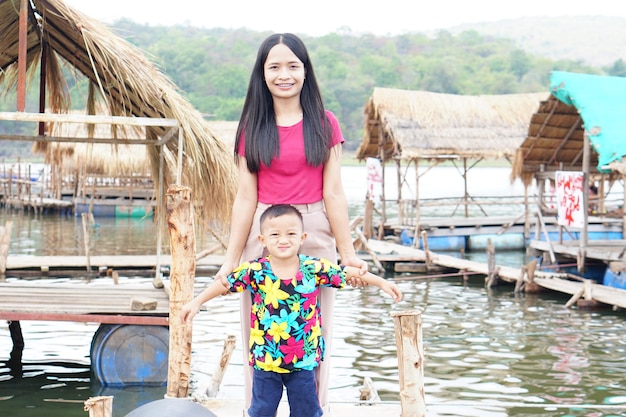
212 67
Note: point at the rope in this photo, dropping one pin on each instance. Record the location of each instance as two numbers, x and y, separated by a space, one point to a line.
452 274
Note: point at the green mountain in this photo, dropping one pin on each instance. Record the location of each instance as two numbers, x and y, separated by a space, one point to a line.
595 40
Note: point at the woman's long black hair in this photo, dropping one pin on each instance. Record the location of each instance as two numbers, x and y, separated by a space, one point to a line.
258 120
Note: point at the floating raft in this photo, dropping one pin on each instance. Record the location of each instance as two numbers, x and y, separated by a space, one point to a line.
560 282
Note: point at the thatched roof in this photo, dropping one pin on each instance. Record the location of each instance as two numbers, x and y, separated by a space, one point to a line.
425 125
555 140
111 160
127 83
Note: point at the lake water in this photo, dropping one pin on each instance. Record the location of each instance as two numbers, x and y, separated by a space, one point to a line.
488 352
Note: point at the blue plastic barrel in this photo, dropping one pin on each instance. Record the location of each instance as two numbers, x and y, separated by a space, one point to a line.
125 354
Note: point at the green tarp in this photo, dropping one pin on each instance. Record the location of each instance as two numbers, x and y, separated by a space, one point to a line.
601 103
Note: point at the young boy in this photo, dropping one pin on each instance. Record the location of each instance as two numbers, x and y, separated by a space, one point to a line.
286 343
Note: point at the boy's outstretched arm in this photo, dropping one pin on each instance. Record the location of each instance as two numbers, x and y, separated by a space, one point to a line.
189 310
371 279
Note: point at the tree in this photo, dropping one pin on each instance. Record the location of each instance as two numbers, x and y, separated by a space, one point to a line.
618 69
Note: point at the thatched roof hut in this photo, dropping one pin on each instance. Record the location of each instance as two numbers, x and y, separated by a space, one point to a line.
579 127
408 127
579 105
123 81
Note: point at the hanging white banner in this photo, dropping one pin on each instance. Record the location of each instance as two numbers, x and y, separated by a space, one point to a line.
569 196
374 179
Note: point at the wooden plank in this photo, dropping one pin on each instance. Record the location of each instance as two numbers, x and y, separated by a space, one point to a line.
87 318
16 262
601 293
232 407
93 119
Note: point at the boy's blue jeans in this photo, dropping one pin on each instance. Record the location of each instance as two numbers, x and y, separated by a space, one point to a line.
267 390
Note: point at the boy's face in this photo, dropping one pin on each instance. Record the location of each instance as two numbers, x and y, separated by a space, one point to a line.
282 235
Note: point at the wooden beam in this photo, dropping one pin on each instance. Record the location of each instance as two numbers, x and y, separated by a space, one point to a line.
86 318
22 55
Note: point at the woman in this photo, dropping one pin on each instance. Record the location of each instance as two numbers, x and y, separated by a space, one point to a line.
288 151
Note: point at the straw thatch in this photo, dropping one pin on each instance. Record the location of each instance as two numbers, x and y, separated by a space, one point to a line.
121 159
127 83
103 159
411 125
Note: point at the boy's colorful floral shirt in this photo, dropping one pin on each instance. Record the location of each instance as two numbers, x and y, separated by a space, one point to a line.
285 321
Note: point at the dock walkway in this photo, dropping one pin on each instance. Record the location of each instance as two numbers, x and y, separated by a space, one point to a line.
229 408
555 281
385 252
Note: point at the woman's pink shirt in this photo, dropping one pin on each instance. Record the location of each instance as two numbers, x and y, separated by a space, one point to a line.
289 179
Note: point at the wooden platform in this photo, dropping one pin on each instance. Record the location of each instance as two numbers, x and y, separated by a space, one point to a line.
601 250
40 204
21 262
121 262
96 301
555 281
230 408
384 252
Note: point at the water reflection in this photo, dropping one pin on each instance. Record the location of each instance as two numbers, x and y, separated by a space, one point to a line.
488 353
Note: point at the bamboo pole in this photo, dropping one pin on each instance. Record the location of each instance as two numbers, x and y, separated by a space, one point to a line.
425 245
584 234
368 218
492 277
86 244
180 223
408 329
100 406
22 56
218 375
5 241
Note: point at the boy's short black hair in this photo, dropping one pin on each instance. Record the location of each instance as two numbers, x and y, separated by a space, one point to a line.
278 210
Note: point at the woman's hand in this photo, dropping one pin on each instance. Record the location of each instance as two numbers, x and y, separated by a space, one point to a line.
359 263
222 274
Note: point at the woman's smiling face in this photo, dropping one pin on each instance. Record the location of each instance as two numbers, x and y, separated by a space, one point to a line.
284 72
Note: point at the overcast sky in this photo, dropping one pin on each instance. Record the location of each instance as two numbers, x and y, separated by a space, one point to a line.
319 17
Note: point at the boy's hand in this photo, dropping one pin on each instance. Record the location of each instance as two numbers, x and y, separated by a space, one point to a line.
393 290
188 312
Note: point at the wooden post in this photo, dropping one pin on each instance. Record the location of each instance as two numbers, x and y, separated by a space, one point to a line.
180 223
218 375
86 244
368 218
100 406
492 277
584 233
22 56
408 329
5 240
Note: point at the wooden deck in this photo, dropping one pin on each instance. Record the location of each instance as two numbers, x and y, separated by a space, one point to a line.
601 250
118 262
560 282
116 299
40 204
95 301
230 408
